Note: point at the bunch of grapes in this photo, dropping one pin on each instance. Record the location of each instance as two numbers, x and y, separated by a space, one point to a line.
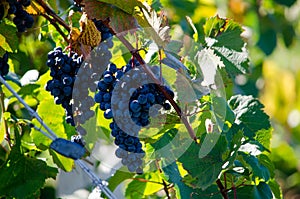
22 19
129 109
63 69
4 65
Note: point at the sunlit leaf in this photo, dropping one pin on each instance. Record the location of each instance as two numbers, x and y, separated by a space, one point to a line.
150 184
249 114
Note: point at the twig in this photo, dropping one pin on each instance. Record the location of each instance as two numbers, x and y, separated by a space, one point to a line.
49 11
222 189
52 21
136 54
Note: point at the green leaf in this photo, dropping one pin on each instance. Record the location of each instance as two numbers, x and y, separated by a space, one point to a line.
268 36
117 178
207 169
225 32
150 184
8 37
249 114
53 116
53 5
275 188
24 176
223 36
261 191
234 136
222 110
259 170
172 173
265 160
264 136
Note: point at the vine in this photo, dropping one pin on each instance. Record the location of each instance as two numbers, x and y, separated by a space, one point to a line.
165 108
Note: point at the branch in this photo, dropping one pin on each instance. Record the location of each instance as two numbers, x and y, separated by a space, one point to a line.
52 21
222 189
53 14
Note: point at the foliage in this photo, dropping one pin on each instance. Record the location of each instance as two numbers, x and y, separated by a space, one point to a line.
216 140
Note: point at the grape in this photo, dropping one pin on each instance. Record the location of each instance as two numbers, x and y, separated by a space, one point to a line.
4 67
22 19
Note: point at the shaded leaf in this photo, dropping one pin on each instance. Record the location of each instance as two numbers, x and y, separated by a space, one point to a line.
24 176
259 170
268 37
261 191
186 192
207 169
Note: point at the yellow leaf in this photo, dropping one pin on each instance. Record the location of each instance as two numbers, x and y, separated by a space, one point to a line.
74 34
35 9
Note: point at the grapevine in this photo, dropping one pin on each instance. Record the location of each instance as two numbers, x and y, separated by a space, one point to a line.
160 102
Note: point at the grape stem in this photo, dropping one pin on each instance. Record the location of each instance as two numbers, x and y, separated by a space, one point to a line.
136 54
222 189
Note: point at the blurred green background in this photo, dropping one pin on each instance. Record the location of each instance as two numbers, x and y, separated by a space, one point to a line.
272 31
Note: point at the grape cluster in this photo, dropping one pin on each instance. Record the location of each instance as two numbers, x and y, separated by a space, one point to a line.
22 19
4 65
63 69
129 109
